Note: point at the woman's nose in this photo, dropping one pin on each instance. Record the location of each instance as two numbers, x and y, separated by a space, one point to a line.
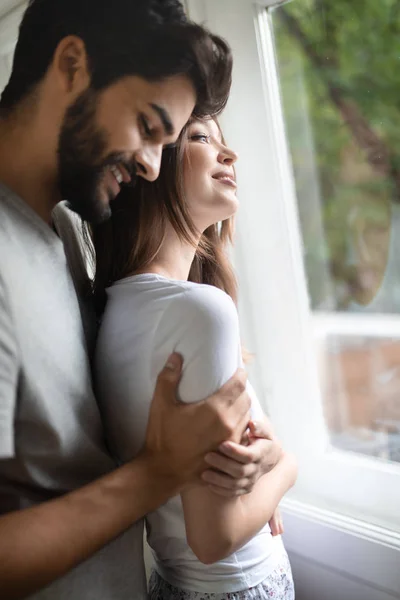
228 156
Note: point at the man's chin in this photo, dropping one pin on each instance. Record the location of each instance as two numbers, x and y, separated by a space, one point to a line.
93 211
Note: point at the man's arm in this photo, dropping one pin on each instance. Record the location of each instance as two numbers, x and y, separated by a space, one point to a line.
40 544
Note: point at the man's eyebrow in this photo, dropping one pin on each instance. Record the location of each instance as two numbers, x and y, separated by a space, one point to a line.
165 119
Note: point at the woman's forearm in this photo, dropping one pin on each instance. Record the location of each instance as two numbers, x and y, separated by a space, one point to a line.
259 506
216 527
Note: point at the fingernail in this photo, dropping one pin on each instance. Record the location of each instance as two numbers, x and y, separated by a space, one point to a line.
172 363
224 446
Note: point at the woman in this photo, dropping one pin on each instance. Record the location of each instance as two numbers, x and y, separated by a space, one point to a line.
173 290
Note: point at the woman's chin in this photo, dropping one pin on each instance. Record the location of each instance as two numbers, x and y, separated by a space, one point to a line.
230 208
211 215
222 217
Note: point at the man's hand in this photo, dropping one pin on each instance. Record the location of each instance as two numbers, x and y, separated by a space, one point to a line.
180 435
236 468
40 544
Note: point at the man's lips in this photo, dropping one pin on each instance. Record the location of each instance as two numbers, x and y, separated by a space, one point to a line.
120 173
112 182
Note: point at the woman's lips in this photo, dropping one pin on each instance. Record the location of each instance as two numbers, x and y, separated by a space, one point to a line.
226 180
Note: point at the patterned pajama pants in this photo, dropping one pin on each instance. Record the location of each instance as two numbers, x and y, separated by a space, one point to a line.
277 586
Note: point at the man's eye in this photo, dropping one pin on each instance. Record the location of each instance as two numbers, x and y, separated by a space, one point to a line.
200 137
145 127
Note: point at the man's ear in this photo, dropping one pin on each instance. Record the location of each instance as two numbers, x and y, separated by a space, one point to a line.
70 64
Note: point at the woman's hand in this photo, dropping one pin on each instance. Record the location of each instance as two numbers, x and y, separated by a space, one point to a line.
276 523
236 468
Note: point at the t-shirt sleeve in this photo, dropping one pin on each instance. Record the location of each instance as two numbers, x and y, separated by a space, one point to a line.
202 325
8 376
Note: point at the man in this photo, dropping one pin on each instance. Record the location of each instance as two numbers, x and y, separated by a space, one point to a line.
97 90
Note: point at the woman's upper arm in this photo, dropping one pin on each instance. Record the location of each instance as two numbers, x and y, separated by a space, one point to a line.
211 346
201 324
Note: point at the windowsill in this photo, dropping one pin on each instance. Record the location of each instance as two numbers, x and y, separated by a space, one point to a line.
348 546
345 524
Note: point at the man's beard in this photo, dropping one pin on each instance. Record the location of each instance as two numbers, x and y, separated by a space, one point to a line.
83 162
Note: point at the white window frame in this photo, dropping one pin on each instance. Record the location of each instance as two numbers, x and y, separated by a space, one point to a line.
274 302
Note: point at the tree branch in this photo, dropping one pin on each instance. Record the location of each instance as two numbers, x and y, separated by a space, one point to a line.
376 150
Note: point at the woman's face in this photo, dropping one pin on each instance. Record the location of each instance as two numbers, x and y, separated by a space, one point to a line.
208 175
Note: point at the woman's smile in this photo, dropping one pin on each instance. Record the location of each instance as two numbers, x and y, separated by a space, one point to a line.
225 178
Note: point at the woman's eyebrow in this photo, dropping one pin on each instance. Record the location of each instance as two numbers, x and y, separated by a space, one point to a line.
165 118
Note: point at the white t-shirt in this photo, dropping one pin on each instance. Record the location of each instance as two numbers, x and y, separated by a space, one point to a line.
146 319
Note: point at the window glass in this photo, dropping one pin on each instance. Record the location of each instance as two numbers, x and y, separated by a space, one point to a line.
338 65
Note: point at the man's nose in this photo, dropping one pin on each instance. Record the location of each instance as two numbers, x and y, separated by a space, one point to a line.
148 160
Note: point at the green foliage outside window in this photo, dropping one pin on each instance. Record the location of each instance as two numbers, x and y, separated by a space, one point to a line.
339 67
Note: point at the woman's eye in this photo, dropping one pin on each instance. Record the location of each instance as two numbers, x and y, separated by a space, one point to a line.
200 137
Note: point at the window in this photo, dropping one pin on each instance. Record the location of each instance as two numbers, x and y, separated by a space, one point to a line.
338 80
309 251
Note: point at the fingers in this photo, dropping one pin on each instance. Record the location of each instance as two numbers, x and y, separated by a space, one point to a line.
169 377
266 452
173 367
274 526
227 493
261 453
232 467
231 406
261 429
276 523
242 454
233 390
229 484
243 424
245 441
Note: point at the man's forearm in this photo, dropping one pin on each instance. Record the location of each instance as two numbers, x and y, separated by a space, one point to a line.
40 544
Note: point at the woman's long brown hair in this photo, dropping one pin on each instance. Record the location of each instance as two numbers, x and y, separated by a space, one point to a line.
131 239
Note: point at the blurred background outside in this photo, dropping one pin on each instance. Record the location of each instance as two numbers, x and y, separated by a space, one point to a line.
339 65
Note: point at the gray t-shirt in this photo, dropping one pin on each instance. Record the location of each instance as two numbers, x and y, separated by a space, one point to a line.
51 436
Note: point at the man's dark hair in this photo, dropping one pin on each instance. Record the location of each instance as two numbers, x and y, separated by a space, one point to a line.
149 38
